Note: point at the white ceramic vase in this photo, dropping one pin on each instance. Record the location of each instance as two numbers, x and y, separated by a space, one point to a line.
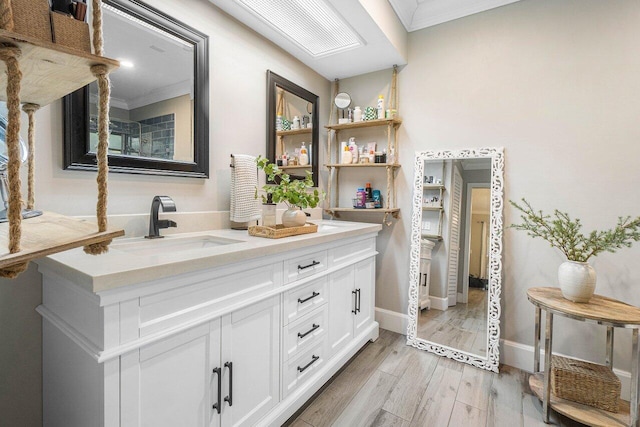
577 281
293 217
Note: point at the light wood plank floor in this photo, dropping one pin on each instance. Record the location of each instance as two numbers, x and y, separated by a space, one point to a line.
463 326
390 384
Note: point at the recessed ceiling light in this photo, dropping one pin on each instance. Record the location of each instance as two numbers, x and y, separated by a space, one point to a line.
311 24
126 64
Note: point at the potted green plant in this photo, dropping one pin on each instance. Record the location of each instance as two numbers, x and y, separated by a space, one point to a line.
576 277
297 194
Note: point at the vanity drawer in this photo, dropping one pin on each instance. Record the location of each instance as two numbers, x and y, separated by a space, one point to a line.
304 266
305 299
345 253
297 370
305 332
203 295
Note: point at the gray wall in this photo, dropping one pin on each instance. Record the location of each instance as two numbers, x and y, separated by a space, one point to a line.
556 83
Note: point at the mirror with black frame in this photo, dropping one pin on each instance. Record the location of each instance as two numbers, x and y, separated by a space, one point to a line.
159 105
292 127
456 255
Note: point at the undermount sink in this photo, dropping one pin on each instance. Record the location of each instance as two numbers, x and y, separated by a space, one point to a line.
329 227
169 245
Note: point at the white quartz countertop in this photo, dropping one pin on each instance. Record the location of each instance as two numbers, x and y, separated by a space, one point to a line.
137 260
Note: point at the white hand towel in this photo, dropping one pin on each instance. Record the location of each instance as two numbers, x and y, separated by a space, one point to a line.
244 180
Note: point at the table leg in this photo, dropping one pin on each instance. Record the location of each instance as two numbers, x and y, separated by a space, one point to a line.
633 401
536 343
546 393
609 360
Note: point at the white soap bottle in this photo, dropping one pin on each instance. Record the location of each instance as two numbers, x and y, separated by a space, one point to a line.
304 156
357 114
346 156
381 107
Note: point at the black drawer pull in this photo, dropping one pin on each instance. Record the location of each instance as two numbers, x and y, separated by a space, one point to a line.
359 299
313 264
301 335
314 359
217 406
313 295
355 302
229 398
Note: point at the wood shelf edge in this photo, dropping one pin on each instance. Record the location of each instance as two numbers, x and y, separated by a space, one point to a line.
60 232
579 412
365 123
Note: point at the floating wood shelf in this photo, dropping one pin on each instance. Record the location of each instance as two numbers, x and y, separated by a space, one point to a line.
582 413
48 234
433 186
366 124
393 211
363 165
49 71
295 167
432 237
294 132
432 208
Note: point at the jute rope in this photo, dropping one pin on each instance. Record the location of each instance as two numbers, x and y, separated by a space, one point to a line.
6 15
30 109
101 72
10 55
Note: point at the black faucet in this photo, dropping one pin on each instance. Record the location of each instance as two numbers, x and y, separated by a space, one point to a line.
168 205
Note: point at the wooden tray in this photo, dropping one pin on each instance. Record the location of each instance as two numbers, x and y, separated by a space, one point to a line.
281 231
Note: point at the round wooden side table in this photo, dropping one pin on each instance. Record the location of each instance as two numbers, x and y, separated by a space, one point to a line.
599 310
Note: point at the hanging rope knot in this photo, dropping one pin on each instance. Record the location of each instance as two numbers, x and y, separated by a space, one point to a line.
13 271
30 108
100 70
8 52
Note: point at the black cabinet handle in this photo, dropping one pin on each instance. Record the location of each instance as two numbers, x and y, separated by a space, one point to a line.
218 405
314 359
355 302
229 398
359 299
313 264
301 335
313 295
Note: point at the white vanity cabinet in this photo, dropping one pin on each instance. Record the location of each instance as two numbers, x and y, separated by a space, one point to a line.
240 344
222 373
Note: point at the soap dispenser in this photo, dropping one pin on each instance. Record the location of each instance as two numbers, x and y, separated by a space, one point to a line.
304 156
269 212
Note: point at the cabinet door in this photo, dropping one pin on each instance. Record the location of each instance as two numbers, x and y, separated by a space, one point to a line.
365 277
251 342
342 301
170 383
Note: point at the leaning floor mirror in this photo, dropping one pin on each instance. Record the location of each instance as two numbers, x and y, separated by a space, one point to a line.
456 255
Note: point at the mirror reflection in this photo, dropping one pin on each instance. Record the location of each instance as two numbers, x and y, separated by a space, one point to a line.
456 255
456 204
151 97
292 127
159 97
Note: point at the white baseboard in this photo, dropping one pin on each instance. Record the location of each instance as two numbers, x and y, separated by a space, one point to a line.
511 353
392 320
521 356
439 303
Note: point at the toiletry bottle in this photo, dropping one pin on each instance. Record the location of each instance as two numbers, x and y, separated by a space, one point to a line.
372 156
361 195
357 114
377 199
354 150
304 156
346 156
285 159
296 123
368 192
380 107
269 212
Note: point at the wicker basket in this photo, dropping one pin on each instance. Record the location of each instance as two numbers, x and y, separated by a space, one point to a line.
281 231
586 383
70 32
31 18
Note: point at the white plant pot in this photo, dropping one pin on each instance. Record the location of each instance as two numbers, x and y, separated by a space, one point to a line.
577 281
294 217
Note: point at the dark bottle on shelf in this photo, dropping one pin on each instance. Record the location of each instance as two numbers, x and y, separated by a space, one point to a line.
368 191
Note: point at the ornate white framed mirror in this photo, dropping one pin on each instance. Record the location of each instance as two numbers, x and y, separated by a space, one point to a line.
455 275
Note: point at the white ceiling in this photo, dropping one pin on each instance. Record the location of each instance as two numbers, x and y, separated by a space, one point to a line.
419 14
384 32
